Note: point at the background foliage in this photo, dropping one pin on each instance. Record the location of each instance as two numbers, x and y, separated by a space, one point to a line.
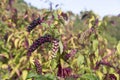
88 47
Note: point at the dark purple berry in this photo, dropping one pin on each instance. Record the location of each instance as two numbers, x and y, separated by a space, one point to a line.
64 15
112 22
37 43
60 72
38 66
64 72
96 22
71 54
84 16
97 66
67 71
118 71
56 5
26 43
34 24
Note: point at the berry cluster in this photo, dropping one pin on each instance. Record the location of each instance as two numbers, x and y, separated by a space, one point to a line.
87 33
64 72
38 66
71 54
37 43
64 15
55 46
84 16
34 24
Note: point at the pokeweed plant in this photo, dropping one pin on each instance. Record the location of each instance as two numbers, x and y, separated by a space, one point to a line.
51 23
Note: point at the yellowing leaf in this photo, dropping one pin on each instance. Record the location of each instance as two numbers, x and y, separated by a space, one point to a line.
73 43
10 36
24 74
104 70
92 19
31 60
89 25
100 74
74 62
20 42
15 70
29 79
55 22
4 55
63 63
14 24
99 23
24 58
117 75
9 20
16 43
59 11
4 66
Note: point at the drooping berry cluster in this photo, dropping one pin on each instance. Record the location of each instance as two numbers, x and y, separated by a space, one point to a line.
37 43
55 46
87 33
38 66
64 72
34 24
26 43
64 15
71 54
84 16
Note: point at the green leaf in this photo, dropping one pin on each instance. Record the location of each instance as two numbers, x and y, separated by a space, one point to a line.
97 53
53 64
70 78
80 60
89 76
55 16
50 77
61 47
52 26
31 75
118 47
1 42
95 44
61 21
4 49
104 70
45 25
41 77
